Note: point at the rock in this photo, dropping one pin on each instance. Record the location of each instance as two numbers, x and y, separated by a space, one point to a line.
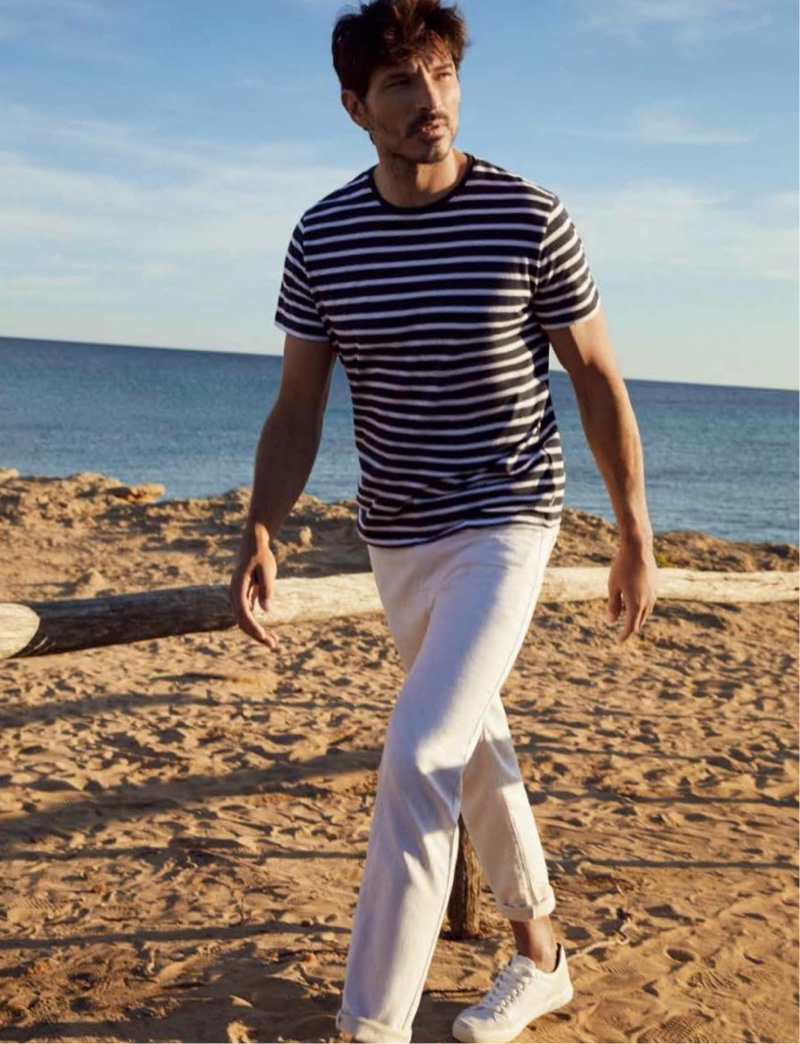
6 474
305 537
146 493
89 585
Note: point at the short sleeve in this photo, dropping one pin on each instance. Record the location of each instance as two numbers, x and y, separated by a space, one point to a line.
297 312
564 291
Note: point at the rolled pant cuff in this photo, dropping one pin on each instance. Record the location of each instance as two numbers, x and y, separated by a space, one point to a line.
369 1031
543 907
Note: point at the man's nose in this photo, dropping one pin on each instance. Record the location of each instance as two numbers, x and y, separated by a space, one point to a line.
428 94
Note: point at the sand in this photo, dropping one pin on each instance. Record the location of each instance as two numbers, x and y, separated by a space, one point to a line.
183 821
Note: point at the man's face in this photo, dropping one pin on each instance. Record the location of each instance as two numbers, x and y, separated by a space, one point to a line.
411 109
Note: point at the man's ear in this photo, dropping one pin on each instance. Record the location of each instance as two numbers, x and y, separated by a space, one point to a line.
355 108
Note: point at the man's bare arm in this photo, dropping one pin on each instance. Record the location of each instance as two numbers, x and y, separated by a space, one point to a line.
584 350
285 456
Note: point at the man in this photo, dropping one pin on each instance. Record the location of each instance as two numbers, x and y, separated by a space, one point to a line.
441 281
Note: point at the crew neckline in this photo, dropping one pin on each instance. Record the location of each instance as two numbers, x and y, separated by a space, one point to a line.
440 202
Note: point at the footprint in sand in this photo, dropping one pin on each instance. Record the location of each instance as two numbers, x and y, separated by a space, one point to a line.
715 982
667 912
31 910
620 977
691 1028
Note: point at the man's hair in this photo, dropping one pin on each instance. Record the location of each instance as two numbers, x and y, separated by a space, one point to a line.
388 32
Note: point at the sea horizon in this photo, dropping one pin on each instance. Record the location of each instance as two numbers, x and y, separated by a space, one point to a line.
720 459
257 353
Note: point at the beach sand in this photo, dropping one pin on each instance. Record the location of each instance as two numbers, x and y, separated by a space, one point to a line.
183 821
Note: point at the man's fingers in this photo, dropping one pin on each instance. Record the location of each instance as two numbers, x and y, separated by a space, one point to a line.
614 605
250 625
245 591
260 587
630 624
635 618
632 589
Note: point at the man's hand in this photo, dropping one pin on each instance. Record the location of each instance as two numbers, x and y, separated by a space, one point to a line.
254 578
632 585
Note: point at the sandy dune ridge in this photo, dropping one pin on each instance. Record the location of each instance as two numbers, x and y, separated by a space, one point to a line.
183 821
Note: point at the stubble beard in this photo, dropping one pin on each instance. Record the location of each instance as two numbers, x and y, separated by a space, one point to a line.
416 152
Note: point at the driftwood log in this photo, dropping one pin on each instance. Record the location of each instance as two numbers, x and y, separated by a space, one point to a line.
42 628
464 905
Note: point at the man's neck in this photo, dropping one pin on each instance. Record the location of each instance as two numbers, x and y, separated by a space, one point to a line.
405 184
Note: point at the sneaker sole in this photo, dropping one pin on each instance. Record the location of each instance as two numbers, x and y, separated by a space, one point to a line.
483 1035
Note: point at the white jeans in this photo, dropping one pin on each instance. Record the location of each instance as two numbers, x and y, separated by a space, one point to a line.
458 609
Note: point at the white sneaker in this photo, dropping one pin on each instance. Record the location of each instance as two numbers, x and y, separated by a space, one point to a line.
520 994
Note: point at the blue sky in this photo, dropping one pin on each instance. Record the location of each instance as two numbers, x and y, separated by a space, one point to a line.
155 155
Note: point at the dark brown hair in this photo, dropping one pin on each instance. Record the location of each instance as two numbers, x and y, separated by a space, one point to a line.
387 32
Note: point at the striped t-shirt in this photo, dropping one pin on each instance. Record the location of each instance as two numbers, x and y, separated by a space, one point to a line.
438 315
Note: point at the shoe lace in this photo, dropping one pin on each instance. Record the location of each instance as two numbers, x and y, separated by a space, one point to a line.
506 988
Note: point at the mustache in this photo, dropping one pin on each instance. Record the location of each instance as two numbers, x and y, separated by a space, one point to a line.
427 118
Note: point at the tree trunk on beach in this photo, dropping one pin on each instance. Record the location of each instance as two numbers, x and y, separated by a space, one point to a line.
464 906
42 628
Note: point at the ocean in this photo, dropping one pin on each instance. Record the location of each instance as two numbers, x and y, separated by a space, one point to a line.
719 459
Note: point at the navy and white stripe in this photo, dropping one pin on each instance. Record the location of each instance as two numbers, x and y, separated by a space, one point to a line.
438 314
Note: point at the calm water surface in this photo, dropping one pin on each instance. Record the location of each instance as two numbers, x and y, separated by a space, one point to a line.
719 459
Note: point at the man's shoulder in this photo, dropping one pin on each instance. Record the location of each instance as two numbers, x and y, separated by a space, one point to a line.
490 176
353 193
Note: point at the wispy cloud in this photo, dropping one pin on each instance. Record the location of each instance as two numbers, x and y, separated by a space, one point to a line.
124 224
664 125
19 17
75 29
57 287
228 210
664 226
103 144
660 123
689 20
